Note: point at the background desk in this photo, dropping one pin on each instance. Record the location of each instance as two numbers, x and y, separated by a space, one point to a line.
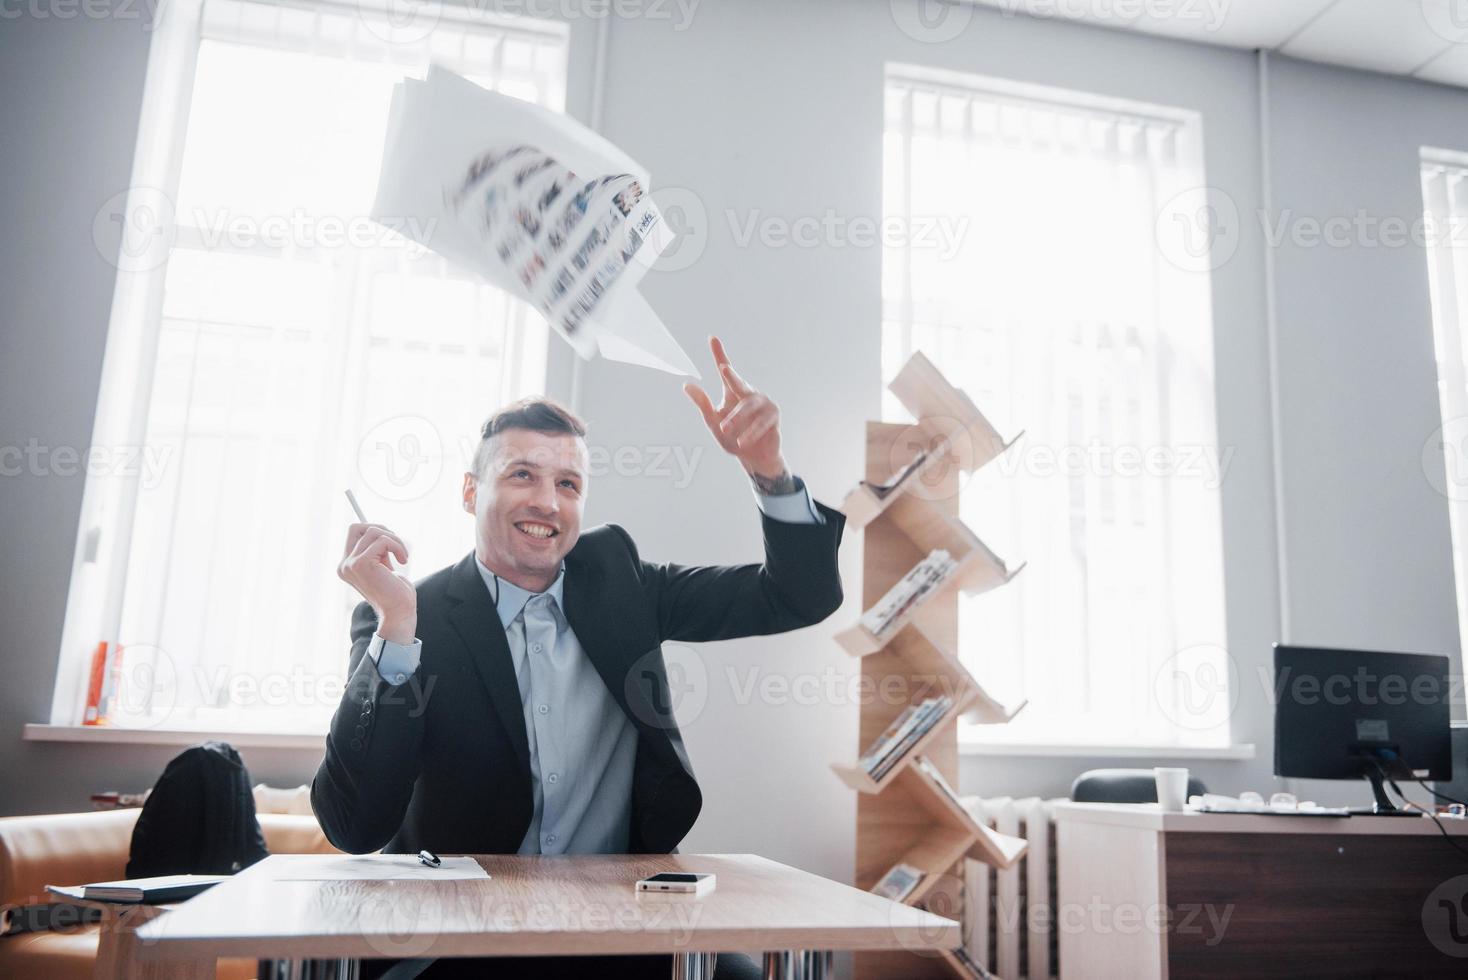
542 906
1255 896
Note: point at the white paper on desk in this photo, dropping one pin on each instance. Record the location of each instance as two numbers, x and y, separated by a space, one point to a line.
534 203
376 867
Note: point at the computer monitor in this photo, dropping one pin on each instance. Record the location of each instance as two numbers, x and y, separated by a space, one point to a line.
1349 714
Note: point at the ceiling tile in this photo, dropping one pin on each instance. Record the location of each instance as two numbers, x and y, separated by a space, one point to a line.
1425 38
1102 15
1449 68
1237 23
1446 18
1378 35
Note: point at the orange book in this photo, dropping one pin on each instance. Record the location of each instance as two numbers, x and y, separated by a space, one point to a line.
111 684
94 684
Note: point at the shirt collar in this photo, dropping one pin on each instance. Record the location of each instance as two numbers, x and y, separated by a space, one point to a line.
511 599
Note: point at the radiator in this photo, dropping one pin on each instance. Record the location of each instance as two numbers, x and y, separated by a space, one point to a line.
1009 916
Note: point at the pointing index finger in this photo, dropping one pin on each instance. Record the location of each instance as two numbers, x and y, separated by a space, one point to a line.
726 370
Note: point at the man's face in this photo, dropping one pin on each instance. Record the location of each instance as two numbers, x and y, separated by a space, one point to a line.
527 503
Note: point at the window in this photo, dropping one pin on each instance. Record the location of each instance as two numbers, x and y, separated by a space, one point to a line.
1032 256
1445 199
276 348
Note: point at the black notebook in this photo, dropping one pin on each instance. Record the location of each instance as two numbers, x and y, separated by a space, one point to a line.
144 891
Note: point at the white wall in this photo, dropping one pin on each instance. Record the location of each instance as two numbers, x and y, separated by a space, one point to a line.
1366 536
775 106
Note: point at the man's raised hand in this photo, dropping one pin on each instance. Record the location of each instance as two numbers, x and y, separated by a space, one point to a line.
746 424
366 566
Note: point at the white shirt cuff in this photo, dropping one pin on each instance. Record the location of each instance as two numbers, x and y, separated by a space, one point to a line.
791 508
395 662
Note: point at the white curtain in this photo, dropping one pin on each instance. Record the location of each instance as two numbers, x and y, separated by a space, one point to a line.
1057 308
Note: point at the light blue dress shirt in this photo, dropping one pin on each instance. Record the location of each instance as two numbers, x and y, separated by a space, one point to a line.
582 746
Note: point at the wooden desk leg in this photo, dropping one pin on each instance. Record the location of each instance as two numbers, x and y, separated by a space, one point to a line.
800 965
118 945
694 966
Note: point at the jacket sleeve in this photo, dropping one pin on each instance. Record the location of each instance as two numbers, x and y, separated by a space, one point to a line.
798 585
373 750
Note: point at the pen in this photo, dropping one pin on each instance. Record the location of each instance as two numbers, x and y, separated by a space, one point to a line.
352 499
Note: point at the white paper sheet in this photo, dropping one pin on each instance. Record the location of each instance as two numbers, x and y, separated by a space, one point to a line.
373 867
535 203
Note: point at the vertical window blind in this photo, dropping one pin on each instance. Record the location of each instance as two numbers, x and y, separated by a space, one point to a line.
1062 314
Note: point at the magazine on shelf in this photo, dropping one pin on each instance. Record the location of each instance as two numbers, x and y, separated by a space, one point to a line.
916 585
914 722
928 715
881 490
893 734
970 966
926 765
896 733
931 716
898 882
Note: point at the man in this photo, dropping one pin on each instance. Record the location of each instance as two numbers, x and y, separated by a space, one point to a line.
517 701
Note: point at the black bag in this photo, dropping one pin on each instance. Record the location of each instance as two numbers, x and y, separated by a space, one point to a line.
199 819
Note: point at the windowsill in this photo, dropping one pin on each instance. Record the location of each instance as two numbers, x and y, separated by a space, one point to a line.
1232 753
270 740
162 736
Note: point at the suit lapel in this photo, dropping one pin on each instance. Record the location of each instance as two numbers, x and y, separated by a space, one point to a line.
596 630
478 625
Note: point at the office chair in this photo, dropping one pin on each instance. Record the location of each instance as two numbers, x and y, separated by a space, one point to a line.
1123 786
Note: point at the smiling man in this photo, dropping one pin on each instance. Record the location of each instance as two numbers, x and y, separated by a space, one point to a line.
518 701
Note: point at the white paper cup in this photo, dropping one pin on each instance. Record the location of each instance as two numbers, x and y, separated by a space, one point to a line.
1172 788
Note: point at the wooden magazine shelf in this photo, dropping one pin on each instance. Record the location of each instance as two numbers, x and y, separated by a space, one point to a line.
985 843
907 506
937 851
858 779
929 659
924 528
946 415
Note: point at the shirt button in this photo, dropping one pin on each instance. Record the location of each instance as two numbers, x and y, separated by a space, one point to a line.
544 709
551 839
535 648
552 778
398 679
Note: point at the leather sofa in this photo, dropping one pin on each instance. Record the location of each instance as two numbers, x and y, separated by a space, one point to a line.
75 848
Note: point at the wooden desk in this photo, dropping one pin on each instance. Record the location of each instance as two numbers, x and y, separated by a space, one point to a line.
1147 894
541 906
117 946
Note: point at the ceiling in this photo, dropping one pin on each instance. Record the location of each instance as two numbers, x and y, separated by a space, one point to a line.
1425 39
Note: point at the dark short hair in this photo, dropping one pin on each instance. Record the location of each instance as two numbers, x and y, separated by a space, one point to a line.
535 414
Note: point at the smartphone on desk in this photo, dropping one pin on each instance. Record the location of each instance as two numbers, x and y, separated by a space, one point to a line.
685 882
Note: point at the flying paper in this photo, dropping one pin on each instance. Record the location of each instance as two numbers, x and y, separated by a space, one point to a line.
534 203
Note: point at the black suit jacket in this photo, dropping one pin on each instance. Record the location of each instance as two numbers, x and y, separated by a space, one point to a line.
442 761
